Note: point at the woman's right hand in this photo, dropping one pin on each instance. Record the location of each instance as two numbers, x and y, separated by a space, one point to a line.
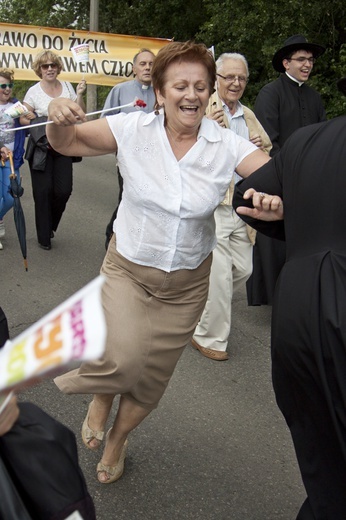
65 112
72 139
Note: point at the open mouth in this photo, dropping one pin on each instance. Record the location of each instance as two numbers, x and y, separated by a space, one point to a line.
189 108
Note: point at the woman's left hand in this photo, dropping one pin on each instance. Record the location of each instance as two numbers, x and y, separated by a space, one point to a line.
266 207
81 87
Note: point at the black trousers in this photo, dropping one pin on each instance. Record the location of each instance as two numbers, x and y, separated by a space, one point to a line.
51 190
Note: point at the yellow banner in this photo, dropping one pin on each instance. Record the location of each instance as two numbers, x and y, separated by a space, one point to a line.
110 55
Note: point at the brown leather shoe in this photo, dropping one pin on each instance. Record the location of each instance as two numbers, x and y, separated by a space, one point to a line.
217 355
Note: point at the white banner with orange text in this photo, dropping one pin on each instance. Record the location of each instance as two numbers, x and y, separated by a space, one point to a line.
74 331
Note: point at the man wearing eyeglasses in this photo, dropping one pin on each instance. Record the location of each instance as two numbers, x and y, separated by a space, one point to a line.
232 257
287 103
282 107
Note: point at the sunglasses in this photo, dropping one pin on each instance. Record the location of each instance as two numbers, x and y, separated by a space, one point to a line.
3 86
46 66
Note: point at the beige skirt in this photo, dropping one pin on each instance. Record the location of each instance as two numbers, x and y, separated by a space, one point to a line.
151 316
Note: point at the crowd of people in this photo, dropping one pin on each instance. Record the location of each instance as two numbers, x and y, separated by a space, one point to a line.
158 260
180 241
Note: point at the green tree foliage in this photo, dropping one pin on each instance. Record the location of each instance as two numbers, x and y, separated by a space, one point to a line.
48 13
255 28
176 19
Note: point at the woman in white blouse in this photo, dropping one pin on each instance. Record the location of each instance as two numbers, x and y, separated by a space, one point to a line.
52 178
177 166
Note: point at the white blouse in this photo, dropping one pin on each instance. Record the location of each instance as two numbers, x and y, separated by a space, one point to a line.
165 219
39 100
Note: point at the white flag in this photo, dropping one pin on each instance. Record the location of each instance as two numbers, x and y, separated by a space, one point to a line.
73 331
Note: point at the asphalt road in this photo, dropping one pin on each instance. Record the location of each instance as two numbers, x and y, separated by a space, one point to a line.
217 448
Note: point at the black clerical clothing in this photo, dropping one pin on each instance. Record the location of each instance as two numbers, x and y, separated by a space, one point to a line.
309 308
282 107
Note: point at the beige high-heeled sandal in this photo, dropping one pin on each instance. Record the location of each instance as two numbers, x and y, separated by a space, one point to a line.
88 434
113 472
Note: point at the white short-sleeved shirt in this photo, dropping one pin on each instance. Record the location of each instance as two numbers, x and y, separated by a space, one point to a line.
39 100
165 219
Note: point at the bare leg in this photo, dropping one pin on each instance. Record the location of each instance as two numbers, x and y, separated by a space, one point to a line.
102 404
128 417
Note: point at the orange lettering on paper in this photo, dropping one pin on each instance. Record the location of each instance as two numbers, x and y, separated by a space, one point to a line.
50 362
50 341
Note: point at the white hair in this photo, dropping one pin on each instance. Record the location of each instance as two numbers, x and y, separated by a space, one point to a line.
231 56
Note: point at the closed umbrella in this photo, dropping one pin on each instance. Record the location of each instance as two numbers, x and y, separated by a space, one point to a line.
17 191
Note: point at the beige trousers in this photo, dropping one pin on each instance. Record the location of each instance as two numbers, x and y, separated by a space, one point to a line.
231 267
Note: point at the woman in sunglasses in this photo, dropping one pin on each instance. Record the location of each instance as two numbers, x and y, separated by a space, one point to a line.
51 172
10 142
